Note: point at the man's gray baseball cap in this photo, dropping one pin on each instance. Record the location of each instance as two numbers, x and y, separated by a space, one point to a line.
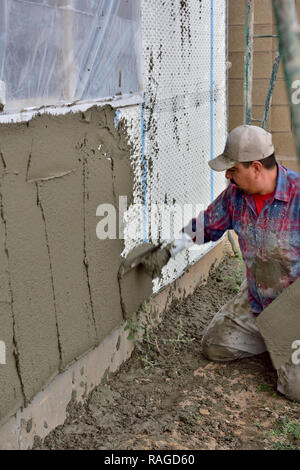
244 144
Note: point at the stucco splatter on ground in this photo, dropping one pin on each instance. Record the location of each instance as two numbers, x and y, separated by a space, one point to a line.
168 396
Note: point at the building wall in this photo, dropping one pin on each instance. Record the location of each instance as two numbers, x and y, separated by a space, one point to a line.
60 294
279 122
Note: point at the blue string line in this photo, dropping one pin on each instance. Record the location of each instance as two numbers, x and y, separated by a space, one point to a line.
211 96
144 173
116 119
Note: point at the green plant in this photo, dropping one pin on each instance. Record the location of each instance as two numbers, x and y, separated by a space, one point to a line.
134 323
264 387
148 363
133 327
236 277
181 337
286 433
284 446
291 428
150 339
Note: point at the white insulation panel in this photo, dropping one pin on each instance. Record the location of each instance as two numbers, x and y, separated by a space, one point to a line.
183 121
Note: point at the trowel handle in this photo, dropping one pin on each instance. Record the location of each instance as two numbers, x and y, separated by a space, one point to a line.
180 244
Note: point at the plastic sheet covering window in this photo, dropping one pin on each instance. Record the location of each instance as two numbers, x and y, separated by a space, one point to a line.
56 51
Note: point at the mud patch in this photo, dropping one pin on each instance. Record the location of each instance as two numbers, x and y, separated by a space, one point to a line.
168 396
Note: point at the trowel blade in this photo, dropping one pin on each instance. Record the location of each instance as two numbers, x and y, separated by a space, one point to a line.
135 283
135 257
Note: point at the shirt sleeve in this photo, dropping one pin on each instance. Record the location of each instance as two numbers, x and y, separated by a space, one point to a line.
212 223
218 216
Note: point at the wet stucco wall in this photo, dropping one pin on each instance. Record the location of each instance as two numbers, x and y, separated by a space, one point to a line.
60 294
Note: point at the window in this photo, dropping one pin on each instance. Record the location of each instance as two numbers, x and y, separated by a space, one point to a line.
58 51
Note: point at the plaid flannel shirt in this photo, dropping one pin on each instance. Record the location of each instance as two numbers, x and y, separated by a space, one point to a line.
270 242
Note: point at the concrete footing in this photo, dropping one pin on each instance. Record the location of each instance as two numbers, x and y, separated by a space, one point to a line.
48 408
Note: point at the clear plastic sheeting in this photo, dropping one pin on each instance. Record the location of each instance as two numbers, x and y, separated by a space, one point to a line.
58 51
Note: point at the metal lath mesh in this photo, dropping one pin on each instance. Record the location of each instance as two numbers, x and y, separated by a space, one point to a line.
175 144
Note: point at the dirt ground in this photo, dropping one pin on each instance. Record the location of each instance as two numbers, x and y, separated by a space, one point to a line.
168 396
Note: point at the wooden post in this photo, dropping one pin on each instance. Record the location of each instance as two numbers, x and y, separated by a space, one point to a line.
289 47
248 61
270 90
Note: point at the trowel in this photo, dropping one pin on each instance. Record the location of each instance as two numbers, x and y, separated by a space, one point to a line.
158 256
141 265
136 256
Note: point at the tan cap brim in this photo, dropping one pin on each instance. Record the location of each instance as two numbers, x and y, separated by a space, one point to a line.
221 163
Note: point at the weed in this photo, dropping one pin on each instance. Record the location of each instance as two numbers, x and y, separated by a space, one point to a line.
291 428
181 337
133 327
272 433
197 417
286 433
264 387
148 363
237 277
134 323
284 446
151 341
